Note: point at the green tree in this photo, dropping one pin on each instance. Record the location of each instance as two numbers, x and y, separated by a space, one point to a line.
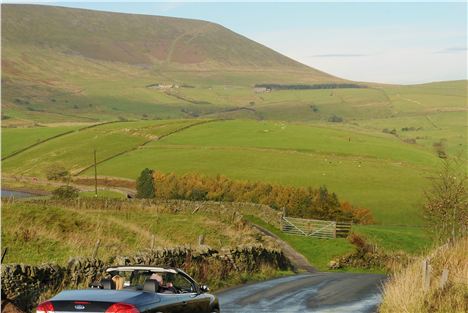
145 185
65 193
57 172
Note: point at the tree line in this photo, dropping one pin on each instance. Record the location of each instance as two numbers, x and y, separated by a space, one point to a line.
304 202
312 86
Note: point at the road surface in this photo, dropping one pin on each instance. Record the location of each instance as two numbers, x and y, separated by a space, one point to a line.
311 292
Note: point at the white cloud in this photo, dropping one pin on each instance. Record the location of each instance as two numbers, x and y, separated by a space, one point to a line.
338 55
396 66
453 50
388 55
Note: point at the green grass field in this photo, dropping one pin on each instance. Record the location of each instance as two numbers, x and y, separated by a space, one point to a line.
15 139
369 169
75 151
363 166
411 239
105 194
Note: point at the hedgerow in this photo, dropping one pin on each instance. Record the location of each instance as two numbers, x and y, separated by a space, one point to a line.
297 201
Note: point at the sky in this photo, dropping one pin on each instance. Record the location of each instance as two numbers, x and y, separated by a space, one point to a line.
387 42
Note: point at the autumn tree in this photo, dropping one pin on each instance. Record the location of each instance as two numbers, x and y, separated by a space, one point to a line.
446 201
298 201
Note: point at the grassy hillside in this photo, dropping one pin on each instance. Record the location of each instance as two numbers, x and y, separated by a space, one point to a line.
15 139
368 168
73 65
136 39
80 65
74 151
37 233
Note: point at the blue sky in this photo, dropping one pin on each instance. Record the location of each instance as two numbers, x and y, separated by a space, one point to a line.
368 41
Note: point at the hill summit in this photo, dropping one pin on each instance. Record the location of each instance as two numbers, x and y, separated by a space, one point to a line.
64 64
139 39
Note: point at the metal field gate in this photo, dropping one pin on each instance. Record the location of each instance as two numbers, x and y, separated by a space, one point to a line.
315 228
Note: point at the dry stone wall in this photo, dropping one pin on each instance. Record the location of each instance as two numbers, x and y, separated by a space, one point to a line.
25 285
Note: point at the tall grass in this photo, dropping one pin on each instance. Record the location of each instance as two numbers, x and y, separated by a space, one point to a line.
404 292
45 231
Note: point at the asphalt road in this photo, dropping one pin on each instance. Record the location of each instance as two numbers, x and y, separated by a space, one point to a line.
314 292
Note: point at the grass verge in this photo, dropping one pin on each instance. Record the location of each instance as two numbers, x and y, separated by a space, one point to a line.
404 292
103 194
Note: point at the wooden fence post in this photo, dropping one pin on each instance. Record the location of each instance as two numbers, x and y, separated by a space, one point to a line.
429 274
152 242
283 215
4 253
443 278
426 274
96 248
201 240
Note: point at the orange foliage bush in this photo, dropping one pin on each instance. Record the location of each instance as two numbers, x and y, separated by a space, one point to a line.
359 215
297 201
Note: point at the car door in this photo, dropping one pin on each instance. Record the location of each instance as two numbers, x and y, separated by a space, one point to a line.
171 303
194 303
200 302
191 300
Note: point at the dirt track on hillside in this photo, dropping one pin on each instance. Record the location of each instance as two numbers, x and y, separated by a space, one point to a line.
299 262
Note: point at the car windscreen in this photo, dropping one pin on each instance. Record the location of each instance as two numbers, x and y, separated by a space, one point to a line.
136 279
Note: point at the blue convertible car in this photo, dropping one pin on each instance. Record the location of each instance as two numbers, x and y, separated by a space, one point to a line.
137 289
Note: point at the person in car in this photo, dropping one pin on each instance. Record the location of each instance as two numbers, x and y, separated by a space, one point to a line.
158 278
118 281
168 288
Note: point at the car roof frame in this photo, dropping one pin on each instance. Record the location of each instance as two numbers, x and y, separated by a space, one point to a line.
154 269
130 268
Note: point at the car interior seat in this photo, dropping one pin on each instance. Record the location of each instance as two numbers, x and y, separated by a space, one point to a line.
107 283
151 285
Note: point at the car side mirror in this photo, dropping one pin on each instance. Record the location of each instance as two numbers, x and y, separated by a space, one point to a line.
204 288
